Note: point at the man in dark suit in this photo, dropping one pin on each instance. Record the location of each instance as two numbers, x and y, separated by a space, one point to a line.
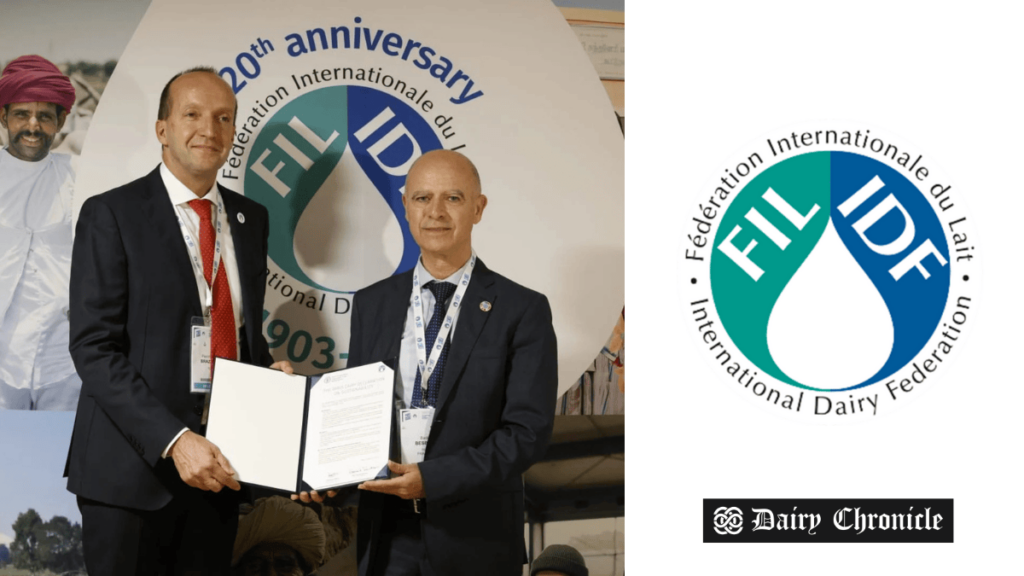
152 259
457 508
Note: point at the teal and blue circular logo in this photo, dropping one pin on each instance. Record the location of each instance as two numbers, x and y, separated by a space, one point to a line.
296 166
329 161
830 272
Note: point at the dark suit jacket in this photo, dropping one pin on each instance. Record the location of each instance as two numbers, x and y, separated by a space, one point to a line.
495 412
133 297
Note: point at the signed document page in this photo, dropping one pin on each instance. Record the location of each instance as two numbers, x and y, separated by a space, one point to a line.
256 421
349 426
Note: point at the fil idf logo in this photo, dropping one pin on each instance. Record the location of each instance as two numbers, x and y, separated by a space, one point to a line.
329 123
330 167
830 273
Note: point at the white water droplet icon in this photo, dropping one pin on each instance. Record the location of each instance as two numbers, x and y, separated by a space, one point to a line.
830 328
348 237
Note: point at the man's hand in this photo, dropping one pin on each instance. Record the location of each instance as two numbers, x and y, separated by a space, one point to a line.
201 465
408 484
313 496
284 366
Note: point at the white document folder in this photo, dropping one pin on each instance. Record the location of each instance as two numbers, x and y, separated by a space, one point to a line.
299 433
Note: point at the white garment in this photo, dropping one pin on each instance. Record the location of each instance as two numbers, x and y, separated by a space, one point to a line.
407 361
36 371
180 196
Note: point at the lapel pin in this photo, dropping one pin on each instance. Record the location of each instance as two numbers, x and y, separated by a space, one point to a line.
485 306
241 218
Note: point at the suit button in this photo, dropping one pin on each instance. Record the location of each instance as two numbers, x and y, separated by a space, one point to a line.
198 409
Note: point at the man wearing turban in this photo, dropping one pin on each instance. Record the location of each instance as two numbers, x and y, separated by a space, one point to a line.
36 372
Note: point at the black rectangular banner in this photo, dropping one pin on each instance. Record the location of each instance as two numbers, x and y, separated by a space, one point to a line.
828 520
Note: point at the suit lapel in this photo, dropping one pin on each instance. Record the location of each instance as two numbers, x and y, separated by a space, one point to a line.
243 236
159 211
394 312
467 329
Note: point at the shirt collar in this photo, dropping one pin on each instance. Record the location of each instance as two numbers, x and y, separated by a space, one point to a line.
425 276
179 193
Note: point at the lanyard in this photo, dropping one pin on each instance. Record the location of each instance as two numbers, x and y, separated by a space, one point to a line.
426 365
196 255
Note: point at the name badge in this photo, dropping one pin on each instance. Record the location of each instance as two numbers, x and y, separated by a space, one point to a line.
202 375
415 431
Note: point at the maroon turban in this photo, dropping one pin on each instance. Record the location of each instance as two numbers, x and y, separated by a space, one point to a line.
35 79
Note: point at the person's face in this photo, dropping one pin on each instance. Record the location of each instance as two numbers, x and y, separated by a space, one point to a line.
442 203
197 132
31 127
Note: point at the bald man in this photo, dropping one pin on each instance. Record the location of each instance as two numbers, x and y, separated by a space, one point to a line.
475 404
36 185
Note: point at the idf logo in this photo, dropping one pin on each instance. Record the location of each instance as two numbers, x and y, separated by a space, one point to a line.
830 273
329 163
330 167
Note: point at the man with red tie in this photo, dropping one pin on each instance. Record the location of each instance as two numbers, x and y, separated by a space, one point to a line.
168 273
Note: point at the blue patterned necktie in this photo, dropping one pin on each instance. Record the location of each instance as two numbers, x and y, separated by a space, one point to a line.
442 291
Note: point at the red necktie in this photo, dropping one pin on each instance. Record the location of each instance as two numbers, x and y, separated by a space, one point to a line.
224 339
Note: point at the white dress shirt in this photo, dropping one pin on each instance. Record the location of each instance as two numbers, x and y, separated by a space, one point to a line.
407 361
179 196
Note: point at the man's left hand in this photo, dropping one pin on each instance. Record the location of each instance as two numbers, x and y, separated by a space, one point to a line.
284 366
408 484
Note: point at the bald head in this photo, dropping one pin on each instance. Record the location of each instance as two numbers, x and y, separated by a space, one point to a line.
165 95
442 204
449 161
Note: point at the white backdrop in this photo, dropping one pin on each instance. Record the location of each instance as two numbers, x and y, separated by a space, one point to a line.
543 136
710 78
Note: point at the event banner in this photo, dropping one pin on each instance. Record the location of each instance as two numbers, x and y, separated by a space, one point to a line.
335 102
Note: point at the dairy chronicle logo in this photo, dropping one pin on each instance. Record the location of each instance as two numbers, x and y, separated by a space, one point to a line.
728 520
